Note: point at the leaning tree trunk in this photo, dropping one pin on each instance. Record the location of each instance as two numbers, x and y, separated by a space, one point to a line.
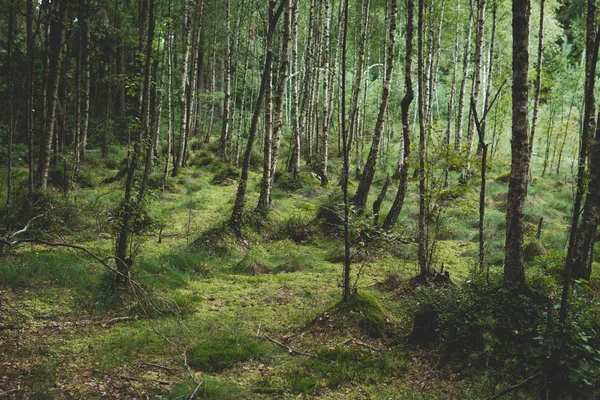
514 275
360 198
142 147
392 216
236 220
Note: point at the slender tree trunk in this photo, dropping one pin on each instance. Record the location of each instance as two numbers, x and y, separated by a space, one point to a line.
392 216
30 93
538 83
10 85
280 93
56 46
422 245
184 89
452 101
85 78
346 169
514 275
228 74
360 198
477 69
463 85
589 126
326 105
358 75
142 147
294 166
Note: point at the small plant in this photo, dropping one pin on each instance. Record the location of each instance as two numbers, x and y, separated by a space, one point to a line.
254 263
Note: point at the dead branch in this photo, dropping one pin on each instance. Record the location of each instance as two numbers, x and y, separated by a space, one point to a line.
515 387
289 349
159 366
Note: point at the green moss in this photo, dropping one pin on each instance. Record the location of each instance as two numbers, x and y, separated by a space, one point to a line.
223 353
212 387
368 310
333 367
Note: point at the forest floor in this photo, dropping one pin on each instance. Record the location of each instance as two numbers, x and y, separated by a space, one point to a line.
247 318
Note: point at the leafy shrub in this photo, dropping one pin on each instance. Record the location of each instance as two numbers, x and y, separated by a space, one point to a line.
223 353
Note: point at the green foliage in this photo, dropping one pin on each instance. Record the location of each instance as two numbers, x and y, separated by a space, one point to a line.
485 324
223 353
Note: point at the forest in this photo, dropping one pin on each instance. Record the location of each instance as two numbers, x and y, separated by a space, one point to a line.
299 199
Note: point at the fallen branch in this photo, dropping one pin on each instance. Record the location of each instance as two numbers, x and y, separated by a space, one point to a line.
119 319
515 387
159 366
193 396
10 391
289 349
367 345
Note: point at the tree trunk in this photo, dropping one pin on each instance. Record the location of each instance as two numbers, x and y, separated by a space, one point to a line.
227 89
422 245
183 90
236 220
56 45
538 83
142 147
392 216
514 275
294 165
280 92
477 69
463 85
589 126
85 78
326 105
360 198
358 75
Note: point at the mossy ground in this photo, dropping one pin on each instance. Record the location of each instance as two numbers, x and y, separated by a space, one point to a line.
62 332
